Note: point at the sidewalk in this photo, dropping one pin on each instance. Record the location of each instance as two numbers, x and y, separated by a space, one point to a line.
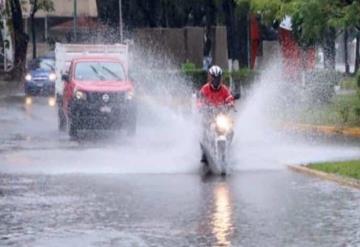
9 87
304 169
323 129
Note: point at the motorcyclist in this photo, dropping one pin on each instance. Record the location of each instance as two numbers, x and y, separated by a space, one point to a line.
214 93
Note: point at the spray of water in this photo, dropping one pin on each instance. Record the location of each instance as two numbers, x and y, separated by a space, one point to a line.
261 143
167 139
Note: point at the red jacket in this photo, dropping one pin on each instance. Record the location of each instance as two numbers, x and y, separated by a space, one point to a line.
209 96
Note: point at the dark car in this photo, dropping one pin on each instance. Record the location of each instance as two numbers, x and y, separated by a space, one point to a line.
40 77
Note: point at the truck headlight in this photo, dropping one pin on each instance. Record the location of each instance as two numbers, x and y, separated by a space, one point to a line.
52 76
28 77
223 123
79 95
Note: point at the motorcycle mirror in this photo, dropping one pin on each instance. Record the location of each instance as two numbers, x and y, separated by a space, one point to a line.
236 96
65 77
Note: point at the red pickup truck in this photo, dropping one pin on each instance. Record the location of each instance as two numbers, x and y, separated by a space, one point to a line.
97 94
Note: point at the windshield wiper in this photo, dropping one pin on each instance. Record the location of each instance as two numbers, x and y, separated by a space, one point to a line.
101 77
49 65
111 73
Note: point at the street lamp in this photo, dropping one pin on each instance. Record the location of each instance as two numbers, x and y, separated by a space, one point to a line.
120 21
75 20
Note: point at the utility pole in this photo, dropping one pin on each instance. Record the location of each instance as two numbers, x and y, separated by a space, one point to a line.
120 21
75 20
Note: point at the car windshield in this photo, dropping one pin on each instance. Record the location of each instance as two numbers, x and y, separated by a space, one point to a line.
99 71
47 64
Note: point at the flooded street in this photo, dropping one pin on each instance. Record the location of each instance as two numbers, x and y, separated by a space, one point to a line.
247 209
149 191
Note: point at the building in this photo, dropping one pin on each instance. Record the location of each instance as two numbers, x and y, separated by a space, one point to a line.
58 25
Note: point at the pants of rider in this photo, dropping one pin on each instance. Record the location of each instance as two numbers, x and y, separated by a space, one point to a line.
203 158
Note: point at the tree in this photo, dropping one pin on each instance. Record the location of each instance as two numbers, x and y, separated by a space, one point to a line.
316 21
35 5
20 39
347 17
310 22
180 13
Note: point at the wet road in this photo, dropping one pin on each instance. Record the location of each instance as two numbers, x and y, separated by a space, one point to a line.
148 191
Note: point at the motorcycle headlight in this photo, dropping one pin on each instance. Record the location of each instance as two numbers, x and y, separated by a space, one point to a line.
52 76
223 123
79 95
28 77
130 95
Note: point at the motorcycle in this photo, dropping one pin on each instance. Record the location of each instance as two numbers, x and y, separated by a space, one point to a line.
218 133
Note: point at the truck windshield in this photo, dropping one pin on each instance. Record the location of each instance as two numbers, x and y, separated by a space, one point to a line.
99 71
42 63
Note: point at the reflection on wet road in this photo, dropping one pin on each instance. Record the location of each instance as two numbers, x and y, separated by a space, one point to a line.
221 222
148 191
276 208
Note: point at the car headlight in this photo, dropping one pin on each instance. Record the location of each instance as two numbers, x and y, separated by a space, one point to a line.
130 95
28 77
52 76
52 101
28 101
223 123
79 95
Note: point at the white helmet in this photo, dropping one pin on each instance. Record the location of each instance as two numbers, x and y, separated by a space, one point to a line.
215 71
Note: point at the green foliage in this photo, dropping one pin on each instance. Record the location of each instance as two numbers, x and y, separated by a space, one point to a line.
348 169
341 111
270 9
344 113
36 5
320 85
198 76
46 5
311 18
349 83
188 66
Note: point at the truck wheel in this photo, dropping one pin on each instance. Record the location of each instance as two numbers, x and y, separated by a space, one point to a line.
131 129
61 120
131 124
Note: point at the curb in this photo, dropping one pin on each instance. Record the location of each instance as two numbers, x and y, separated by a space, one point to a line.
8 87
326 176
324 129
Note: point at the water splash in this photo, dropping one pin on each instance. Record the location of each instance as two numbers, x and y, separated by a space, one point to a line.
260 141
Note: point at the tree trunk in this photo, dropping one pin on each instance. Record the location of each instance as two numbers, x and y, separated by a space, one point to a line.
33 34
357 53
150 10
329 49
243 24
210 21
233 37
346 57
21 39
108 12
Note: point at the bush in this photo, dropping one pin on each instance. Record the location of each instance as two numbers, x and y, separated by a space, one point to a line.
197 76
320 84
349 83
243 77
188 66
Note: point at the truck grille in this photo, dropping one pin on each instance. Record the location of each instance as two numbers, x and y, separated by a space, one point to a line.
113 98
40 78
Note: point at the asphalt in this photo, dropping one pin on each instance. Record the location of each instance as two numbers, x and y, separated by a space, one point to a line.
110 190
